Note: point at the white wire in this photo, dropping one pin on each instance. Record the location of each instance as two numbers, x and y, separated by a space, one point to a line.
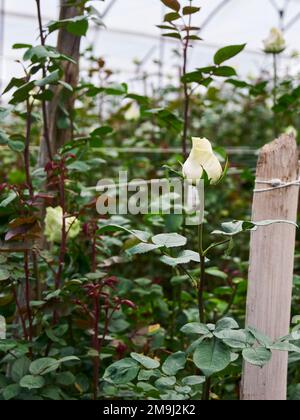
276 184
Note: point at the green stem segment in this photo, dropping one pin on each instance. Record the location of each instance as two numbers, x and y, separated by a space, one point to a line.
226 241
201 283
201 288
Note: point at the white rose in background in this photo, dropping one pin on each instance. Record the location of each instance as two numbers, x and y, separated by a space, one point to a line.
292 131
133 113
275 43
53 225
202 158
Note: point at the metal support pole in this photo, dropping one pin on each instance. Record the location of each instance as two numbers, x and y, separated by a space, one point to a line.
107 10
292 22
216 10
161 56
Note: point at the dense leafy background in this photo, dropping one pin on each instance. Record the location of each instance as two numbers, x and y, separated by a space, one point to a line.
150 305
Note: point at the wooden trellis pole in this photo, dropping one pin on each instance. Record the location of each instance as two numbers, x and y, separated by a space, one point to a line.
271 266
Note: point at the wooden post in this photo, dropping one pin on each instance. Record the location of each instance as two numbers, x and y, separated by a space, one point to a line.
271 266
62 101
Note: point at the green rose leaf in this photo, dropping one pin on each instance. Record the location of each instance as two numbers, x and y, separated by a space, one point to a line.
224 71
122 372
170 17
15 82
145 361
79 166
172 4
77 25
232 338
258 356
78 28
142 248
211 356
184 258
174 363
32 382
190 10
227 323
7 345
145 375
237 226
193 380
11 391
65 378
169 240
172 35
51 79
20 368
195 328
21 46
227 52
165 382
285 346
4 139
140 235
260 337
4 274
16 146
43 365
40 53
9 199
48 364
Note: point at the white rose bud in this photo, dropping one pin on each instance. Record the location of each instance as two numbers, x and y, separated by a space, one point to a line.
202 158
291 131
133 113
53 225
275 43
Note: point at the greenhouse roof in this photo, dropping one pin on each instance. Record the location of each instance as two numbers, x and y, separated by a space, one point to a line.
128 36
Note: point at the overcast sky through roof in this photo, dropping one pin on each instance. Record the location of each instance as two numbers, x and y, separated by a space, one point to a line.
131 32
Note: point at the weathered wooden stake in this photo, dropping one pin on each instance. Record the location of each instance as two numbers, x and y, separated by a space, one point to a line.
271 266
